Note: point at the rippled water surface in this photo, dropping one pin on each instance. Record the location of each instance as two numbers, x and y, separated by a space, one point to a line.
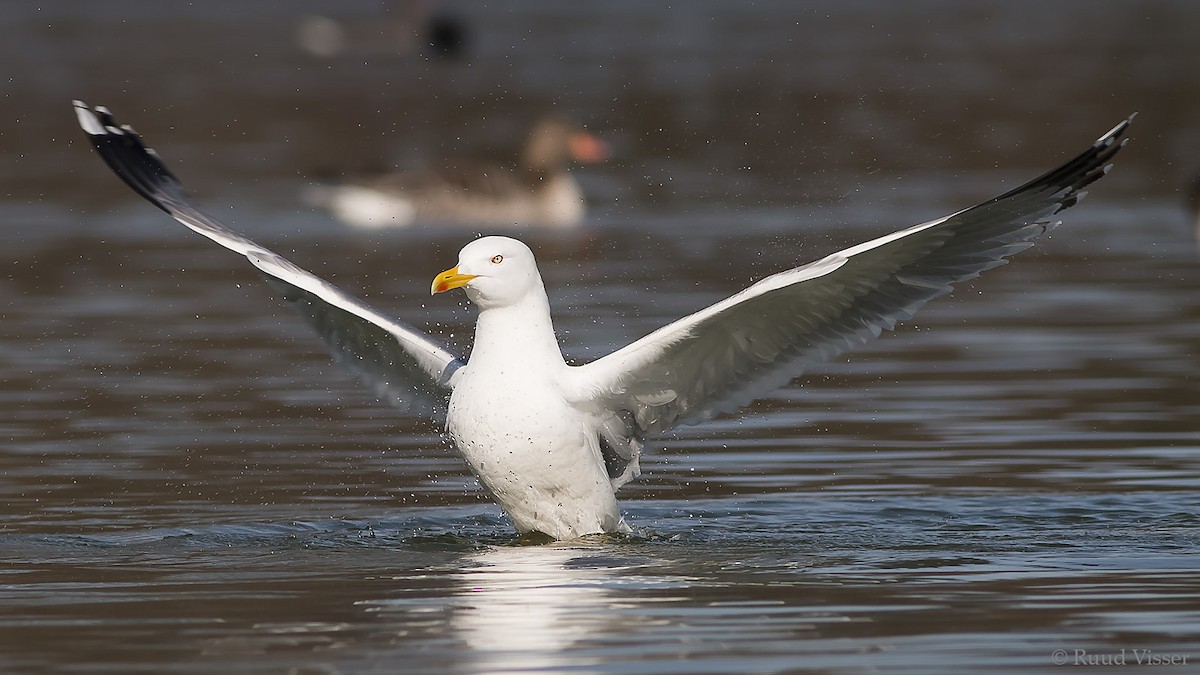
1008 483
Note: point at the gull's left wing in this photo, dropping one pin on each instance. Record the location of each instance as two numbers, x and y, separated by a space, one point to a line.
411 369
725 356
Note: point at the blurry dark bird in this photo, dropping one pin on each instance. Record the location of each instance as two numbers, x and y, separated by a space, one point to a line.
446 34
538 191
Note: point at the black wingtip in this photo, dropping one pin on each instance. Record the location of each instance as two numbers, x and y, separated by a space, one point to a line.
122 149
1107 146
1069 179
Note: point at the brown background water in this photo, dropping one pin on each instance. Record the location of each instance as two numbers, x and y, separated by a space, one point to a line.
189 484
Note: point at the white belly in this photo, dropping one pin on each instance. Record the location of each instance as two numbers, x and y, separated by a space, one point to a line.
538 459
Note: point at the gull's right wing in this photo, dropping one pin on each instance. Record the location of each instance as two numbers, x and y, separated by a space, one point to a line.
408 367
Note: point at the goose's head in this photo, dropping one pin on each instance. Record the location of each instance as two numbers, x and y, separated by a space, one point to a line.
494 272
556 141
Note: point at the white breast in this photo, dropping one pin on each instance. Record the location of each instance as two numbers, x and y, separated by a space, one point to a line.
556 484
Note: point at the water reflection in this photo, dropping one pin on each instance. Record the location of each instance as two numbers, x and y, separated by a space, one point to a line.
521 608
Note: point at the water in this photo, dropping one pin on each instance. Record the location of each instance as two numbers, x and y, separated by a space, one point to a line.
188 484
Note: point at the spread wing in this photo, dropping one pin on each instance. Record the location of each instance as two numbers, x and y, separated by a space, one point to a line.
725 356
406 366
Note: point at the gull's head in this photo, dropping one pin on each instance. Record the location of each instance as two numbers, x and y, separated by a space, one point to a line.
494 271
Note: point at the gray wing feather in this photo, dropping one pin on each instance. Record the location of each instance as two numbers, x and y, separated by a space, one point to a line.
725 356
404 365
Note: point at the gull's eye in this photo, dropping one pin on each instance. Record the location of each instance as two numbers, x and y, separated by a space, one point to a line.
497 259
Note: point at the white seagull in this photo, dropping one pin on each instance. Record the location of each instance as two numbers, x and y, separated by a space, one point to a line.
550 442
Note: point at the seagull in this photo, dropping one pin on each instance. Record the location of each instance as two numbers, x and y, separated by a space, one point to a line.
537 192
551 442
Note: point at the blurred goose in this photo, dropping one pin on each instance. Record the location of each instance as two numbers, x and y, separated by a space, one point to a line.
550 442
537 192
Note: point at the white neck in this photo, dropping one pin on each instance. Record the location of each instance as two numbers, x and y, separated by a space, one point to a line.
521 333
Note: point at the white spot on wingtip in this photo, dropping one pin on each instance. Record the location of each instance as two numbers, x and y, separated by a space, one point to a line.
1111 137
88 120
